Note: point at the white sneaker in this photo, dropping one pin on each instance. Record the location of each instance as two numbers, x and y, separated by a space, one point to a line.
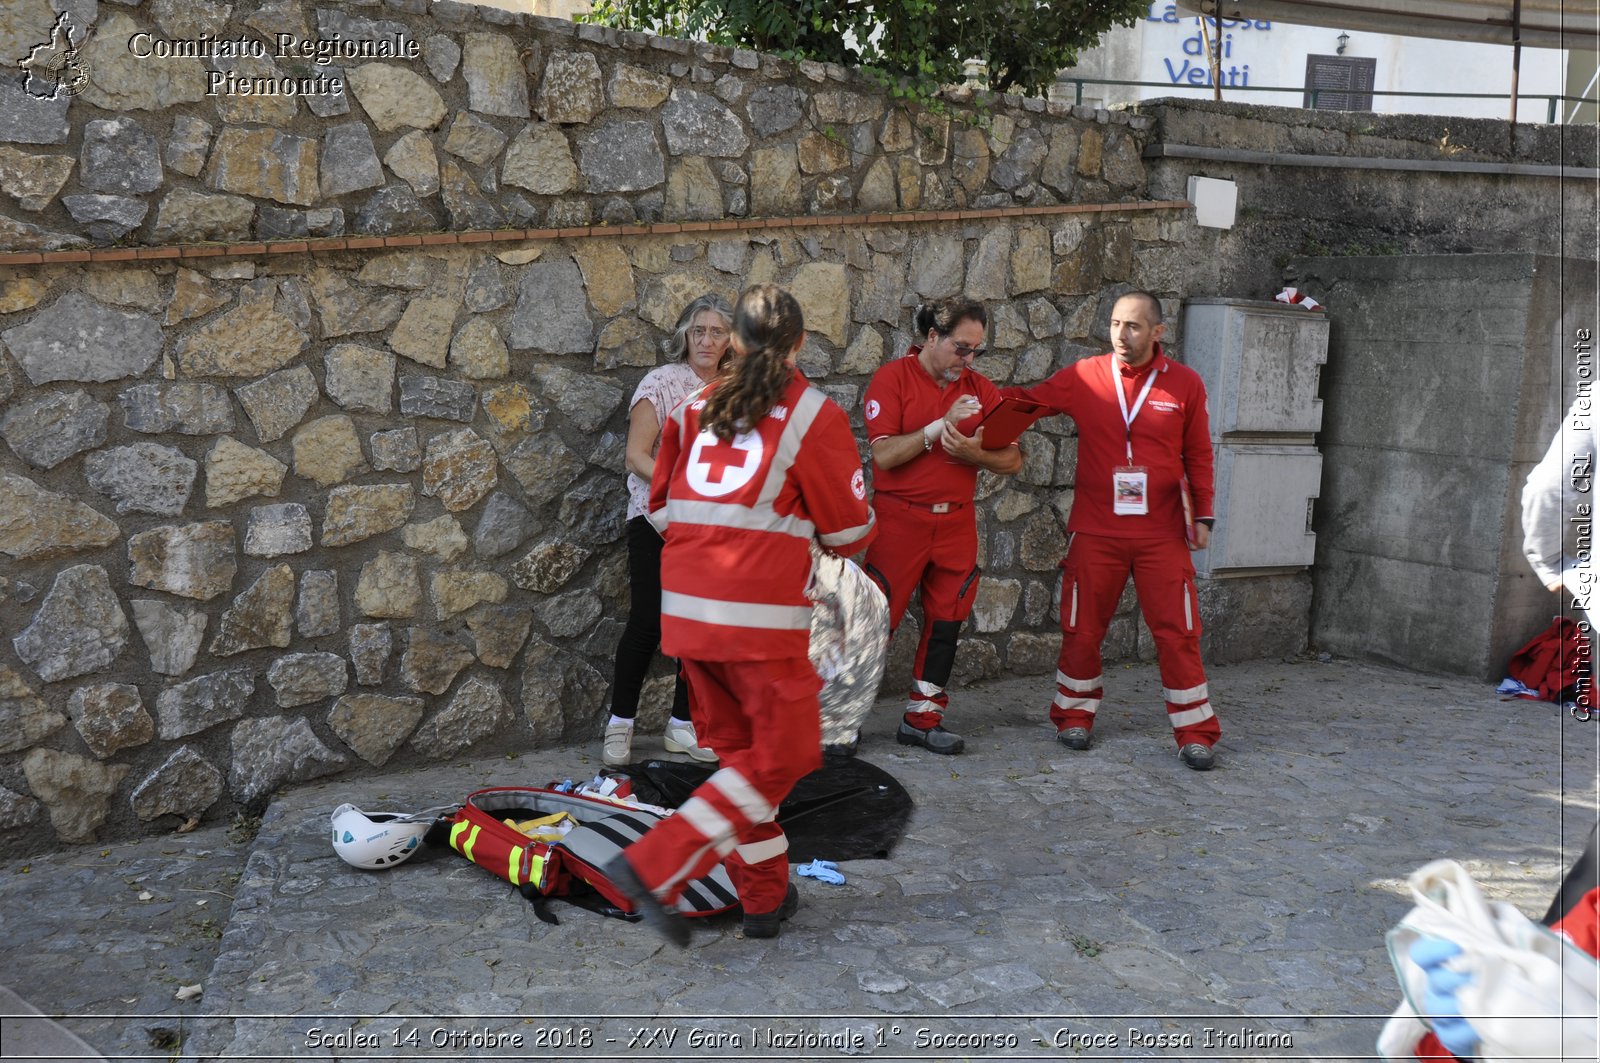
680 738
617 748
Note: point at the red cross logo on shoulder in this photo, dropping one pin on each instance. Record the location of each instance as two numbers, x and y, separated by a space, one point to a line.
719 467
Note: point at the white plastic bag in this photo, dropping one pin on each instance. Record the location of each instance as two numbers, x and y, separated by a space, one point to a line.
1532 994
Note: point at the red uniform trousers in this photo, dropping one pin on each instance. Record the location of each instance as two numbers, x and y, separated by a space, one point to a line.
1094 573
937 552
763 720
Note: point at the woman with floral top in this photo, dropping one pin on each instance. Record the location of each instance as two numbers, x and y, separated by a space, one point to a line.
699 350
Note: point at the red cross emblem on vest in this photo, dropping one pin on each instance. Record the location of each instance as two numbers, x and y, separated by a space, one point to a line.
718 467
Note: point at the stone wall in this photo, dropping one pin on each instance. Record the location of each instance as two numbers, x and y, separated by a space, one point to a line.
501 121
313 409
277 517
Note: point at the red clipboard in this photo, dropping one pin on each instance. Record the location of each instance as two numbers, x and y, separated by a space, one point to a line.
1003 425
1189 533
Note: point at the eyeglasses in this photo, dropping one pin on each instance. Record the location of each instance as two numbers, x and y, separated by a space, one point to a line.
963 351
701 332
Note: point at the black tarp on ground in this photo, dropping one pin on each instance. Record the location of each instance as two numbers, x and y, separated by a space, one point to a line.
848 809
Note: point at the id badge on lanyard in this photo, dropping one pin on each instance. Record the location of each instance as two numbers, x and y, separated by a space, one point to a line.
1130 487
1130 483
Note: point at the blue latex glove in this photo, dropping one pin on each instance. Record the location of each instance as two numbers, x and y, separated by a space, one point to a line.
822 871
1443 1009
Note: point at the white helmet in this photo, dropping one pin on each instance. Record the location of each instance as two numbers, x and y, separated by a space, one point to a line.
376 840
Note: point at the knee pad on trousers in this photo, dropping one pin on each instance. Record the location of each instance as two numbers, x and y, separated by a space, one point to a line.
940 660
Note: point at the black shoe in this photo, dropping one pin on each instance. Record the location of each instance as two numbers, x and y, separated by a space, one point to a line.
767 924
935 738
1074 737
650 910
1198 756
843 749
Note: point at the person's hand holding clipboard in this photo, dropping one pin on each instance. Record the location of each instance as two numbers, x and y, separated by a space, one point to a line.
1004 425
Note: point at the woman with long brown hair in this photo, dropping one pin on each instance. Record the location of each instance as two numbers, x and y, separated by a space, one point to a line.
750 472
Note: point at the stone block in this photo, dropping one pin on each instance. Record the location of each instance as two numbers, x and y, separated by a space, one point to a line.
193 560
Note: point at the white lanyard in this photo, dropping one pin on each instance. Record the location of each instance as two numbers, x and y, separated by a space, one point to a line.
1122 400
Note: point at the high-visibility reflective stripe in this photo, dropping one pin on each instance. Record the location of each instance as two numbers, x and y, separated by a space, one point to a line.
926 689
848 535
732 515
536 869
736 614
463 847
514 864
1066 704
755 852
1190 717
712 825
746 798
1186 695
1081 686
806 408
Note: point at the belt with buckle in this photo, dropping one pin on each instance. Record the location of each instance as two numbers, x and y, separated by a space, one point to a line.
930 507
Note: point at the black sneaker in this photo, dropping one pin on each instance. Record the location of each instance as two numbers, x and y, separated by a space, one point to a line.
935 739
1074 737
650 910
768 924
1198 756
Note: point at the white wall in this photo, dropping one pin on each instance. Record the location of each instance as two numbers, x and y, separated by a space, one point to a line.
1166 47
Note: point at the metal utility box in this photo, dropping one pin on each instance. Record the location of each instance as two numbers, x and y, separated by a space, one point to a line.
1262 365
1261 361
1264 502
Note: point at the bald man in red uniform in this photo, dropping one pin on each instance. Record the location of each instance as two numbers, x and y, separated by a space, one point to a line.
924 474
1143 432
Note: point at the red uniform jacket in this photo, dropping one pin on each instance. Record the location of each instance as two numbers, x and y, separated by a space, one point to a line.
739 517
1171 437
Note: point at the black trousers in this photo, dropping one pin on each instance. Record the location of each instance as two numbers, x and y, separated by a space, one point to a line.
641 636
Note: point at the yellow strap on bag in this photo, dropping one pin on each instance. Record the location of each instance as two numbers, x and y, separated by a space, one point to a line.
544 828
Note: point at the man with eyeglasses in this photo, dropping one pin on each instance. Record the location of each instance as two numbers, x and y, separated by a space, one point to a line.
925 473
1144 439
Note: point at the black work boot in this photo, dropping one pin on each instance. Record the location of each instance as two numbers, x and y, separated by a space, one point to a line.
768 924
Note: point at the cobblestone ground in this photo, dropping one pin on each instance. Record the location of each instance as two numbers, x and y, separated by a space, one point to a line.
1044 903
